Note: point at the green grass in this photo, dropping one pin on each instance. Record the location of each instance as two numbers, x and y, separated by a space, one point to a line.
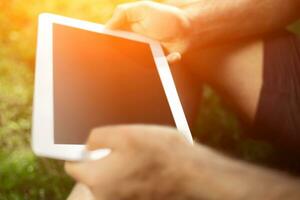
22 175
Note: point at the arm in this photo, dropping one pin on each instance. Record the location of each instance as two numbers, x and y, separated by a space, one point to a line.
234 68
225 178
194 23
145 165
214 22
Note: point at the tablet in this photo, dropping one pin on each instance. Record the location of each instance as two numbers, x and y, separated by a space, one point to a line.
87 76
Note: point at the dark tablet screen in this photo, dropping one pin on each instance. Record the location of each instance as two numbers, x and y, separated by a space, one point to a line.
102 80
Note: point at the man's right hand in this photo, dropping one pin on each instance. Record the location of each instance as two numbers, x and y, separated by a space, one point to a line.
167 24
154 162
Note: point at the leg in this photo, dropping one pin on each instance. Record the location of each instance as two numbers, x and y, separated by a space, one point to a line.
261 81
235 71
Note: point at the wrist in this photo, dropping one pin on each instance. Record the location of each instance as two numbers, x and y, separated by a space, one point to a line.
204 23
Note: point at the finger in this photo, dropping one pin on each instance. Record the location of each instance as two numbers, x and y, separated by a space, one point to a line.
113 137
75 170
106 137
118 19
90 171
174 57
138 28
135 12
126 14
116 137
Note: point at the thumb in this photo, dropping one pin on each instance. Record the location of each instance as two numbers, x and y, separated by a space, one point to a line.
174 57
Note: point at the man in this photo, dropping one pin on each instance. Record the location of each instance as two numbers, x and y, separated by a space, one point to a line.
223 43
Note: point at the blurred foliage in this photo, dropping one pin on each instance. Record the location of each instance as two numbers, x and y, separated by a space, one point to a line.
24 176
218 127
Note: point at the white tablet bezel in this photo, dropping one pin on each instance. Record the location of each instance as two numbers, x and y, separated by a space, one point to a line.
43 122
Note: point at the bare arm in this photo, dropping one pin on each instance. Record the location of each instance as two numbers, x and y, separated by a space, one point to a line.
236 180
214 22
145 165
234 68
221 53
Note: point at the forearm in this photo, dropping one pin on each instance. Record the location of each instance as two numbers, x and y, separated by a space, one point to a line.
213 176
214 22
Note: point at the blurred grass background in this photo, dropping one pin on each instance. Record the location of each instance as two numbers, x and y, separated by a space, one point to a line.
24 176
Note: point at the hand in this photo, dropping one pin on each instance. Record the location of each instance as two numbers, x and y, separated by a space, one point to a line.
161 22
147 162
152 162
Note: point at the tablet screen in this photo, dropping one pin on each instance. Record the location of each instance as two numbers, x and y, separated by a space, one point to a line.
102 80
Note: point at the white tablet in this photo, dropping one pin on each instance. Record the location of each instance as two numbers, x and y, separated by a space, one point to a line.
87 76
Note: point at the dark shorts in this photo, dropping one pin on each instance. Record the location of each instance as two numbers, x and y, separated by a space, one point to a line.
278 114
